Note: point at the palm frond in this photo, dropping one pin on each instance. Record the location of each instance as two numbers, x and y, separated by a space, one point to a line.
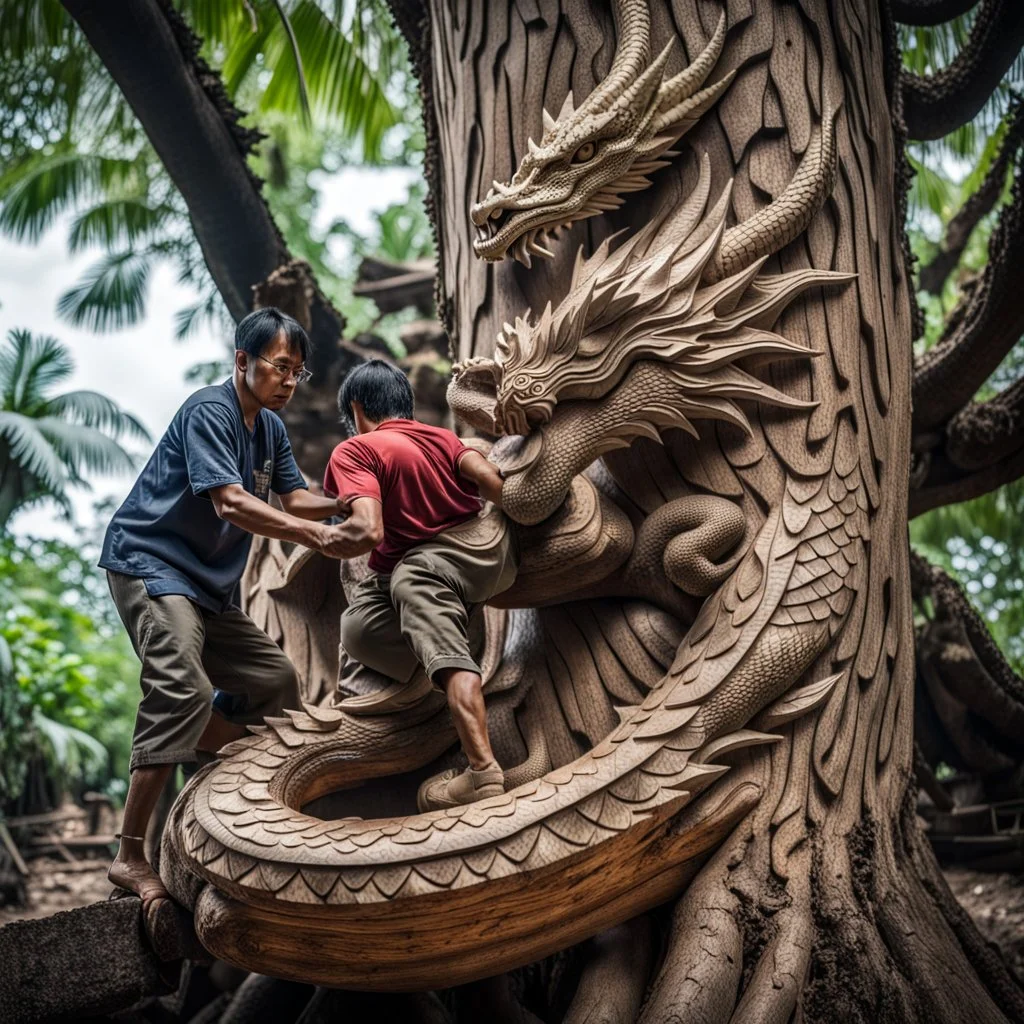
931 191
111 294
33 26
342 90
29 365
206 310
242 55
73 753
116 222
37 190
216 21
91 409
209 372
84 449
300 74
30 450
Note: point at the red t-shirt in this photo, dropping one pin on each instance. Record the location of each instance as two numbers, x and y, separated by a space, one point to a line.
412 470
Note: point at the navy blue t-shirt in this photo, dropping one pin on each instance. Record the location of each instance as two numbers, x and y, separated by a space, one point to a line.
167 531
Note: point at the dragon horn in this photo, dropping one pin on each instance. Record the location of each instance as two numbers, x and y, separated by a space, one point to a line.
632 51
690 79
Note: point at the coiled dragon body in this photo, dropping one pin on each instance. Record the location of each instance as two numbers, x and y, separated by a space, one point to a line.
658 333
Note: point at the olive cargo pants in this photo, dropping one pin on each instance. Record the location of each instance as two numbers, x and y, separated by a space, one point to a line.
420 613
185 652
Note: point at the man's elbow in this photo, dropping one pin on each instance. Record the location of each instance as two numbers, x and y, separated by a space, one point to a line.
226 503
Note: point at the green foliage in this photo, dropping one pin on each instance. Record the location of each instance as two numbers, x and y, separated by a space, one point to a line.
49 441
981 543
401 232
70 144
68 676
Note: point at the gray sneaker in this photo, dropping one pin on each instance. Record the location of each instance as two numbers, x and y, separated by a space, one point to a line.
453 788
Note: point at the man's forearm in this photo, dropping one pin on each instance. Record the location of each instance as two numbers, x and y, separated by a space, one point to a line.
485 474
254 516
304 505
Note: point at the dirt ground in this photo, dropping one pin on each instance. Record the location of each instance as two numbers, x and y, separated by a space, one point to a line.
995 901
52 887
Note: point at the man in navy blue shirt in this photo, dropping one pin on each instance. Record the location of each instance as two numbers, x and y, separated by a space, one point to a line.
174 554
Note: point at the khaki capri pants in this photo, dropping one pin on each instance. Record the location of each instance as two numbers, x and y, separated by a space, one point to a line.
186 651
419 614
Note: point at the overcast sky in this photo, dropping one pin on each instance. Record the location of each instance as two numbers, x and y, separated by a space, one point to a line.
142 368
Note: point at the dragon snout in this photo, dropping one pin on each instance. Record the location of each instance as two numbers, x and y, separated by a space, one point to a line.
519 413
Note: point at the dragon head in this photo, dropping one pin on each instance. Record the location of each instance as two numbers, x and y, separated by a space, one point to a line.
651 299
589 156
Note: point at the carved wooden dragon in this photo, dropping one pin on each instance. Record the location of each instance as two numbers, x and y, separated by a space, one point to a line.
651 336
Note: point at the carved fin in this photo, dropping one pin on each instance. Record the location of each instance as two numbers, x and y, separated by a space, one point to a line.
733 741
798 702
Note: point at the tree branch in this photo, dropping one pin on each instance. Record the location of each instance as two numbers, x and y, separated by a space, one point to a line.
939 104
952 603
969 688
958 230
983 328
945 485
928 12
985 433
181 104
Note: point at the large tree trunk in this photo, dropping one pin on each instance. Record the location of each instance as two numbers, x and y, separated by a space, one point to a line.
826 902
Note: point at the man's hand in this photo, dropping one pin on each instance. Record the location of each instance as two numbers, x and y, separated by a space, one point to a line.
474 467
362 531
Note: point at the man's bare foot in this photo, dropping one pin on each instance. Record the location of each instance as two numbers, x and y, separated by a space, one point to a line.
138 877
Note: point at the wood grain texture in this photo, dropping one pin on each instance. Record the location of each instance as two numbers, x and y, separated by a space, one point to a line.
782 705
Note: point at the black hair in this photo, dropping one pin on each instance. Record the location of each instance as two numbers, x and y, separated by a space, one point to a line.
256 331
381 389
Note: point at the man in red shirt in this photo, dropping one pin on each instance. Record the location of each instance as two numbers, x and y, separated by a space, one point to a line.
415 492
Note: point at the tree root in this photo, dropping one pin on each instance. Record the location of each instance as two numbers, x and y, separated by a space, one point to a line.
615 977
700 976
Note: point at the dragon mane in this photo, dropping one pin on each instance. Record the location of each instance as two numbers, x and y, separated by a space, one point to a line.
650 299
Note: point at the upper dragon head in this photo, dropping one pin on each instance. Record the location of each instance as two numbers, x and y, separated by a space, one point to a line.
683 291
592 154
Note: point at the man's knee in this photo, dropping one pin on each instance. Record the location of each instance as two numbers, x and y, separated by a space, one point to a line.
355 637
277 686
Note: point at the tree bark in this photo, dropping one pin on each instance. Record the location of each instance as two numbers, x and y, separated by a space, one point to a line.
825 903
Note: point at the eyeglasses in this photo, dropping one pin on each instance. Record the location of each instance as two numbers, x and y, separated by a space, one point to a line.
284 371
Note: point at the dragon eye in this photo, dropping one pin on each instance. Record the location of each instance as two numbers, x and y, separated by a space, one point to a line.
584 153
